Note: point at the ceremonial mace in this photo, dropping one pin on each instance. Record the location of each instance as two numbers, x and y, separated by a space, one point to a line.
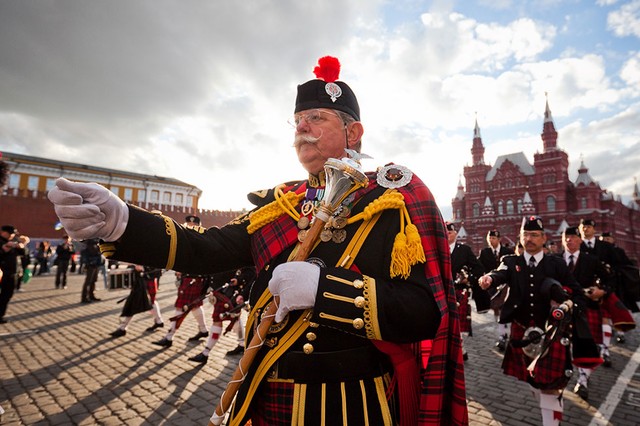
343 177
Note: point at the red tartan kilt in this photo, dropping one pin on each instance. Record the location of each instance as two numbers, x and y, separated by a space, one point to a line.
594 318
152 289
612 307
190 289
549 372
464 310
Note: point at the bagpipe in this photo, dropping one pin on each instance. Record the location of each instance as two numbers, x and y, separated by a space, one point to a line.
566 324
461 282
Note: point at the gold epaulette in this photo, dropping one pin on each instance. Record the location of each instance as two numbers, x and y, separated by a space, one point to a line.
284 203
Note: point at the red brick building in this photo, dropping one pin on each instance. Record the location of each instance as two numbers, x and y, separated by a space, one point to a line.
498 196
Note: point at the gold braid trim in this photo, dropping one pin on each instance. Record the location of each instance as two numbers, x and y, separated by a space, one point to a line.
284 203
170 229
407 247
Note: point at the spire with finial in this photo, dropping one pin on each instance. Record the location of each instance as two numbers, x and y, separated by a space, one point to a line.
460 193
583 174
636 193
549 134
477 149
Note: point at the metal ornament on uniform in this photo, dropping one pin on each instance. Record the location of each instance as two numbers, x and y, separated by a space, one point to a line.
393 176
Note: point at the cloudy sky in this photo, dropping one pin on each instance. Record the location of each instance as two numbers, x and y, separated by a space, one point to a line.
201 90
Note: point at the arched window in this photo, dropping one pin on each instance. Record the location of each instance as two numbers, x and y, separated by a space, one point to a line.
551 203
519 205
476 209
458 214
583 202
510 207
500 207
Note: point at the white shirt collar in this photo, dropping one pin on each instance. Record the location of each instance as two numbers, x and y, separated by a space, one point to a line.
538 257
575 255
452 246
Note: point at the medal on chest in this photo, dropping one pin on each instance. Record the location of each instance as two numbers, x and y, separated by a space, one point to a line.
334 228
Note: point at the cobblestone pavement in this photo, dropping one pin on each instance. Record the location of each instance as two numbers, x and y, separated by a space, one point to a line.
59 366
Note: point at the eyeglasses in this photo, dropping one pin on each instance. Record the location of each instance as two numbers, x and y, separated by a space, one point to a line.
314 116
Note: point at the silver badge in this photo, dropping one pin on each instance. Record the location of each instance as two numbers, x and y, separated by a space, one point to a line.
316 261
393 176
333 90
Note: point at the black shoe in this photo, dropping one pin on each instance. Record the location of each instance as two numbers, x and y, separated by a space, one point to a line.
582 391
201 358
620 338
95 299
237 351
118 333
85 301
607 360
501 344
198 336
164 342
154 326
3 321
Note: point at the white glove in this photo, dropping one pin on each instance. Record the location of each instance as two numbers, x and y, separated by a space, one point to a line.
297 284
89 210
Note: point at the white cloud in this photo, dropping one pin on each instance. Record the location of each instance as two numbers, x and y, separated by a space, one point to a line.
626 20
630 72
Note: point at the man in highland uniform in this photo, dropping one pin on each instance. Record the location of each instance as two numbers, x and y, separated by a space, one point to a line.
367 329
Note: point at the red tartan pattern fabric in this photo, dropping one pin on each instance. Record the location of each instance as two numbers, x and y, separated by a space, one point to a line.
613 308
152 289
276 400
189 290
267 246
549 372
464 310
594 319
443 398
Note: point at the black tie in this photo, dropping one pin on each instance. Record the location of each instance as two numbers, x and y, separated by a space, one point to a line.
571 264
590 244
532 262
495 253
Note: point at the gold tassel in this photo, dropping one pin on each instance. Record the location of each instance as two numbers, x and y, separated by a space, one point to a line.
400 266
407 247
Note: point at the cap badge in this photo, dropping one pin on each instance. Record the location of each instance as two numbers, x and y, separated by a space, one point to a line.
394 176
333 90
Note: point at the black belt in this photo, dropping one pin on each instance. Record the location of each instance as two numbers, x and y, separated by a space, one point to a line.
338 366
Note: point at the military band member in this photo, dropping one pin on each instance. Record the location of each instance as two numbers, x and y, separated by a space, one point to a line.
490 259
227 301
142 298
11 249
594 279
615 314
366 330
465 270
527 307
191 287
